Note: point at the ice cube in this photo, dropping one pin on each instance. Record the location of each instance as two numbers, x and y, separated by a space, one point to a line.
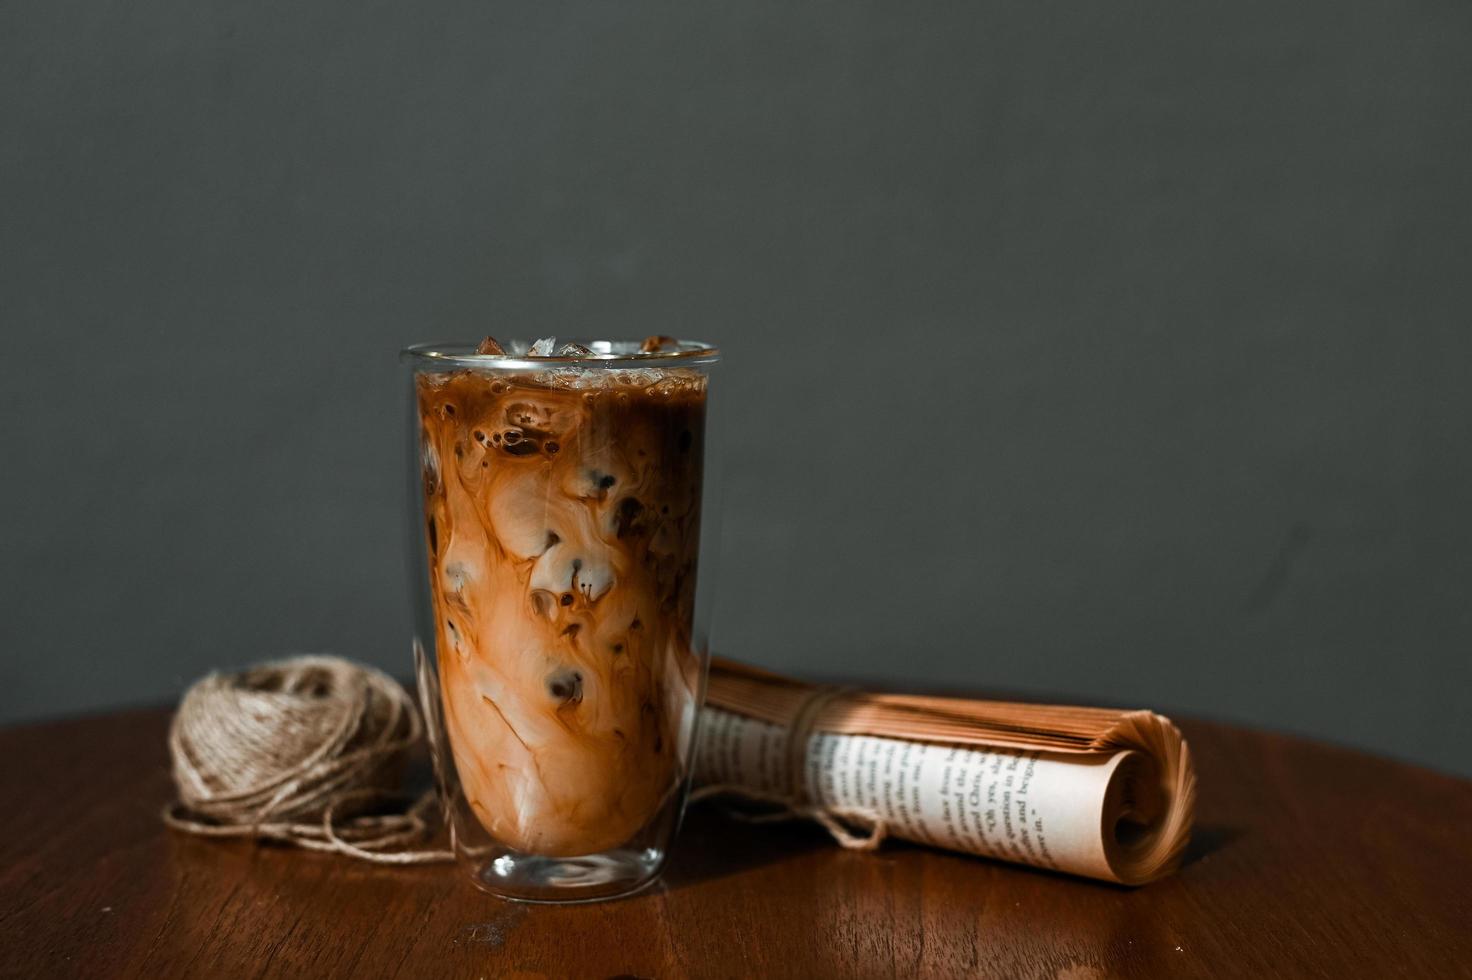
669 387
574 350
519 515
566 376
543 347
638 378
657 343
490 346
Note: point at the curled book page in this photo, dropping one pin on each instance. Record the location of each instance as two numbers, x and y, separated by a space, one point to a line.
1096 792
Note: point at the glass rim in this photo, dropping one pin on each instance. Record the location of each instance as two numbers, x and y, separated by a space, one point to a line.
605 354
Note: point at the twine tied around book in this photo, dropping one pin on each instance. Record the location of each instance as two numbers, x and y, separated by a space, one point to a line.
795 804
304 751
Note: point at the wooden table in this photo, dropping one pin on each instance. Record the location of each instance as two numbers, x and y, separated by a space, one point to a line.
1308 861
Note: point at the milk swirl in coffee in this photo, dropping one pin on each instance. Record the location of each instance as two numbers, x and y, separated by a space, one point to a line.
562 512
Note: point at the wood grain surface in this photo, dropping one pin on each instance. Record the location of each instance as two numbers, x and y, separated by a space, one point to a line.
1309 861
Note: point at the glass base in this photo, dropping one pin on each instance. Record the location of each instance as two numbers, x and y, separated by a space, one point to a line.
587 878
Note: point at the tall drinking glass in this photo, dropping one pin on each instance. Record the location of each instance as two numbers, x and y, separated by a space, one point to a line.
561 631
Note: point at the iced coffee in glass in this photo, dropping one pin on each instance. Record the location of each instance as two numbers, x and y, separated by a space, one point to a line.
560 631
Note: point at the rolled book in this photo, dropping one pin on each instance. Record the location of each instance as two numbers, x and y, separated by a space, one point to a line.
1097 792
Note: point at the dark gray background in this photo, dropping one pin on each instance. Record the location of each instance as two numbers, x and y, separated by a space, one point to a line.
1113 350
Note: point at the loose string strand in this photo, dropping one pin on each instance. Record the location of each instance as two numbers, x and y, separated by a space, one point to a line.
796 803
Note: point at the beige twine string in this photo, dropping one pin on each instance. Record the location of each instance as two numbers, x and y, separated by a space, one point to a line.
795 803
296 751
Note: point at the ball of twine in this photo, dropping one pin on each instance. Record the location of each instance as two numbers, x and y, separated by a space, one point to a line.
304 750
